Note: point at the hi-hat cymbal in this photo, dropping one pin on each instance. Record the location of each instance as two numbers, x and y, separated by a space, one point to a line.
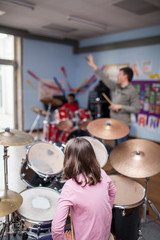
53 101
108 128
9 202
13 137
137 158
39 111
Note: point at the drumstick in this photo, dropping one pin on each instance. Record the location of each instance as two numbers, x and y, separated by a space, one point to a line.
108 100
72 230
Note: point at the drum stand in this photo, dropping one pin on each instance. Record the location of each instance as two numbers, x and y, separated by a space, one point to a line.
36 122
147 201
144 219
6 226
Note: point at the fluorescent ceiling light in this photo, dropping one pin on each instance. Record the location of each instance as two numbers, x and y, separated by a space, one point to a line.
85 21
24 4
2 12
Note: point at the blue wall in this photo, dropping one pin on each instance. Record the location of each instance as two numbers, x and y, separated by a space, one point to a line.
45 60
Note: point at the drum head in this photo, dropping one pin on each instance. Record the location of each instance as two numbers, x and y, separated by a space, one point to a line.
129 192
39 204
45 158
100 150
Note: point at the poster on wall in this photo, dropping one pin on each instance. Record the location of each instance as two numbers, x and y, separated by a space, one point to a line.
146 124
112 70
49 89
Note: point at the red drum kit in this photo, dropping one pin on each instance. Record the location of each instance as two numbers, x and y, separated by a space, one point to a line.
66 124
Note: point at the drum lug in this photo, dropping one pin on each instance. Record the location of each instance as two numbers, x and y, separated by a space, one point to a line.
23 160
23 175
123 212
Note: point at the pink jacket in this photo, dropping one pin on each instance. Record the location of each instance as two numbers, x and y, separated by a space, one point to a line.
91 209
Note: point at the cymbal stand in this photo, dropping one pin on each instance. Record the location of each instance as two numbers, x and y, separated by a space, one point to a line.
98 108
36 122
6 226
147 201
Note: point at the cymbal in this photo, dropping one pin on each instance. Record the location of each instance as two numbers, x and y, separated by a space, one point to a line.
53 101
13 137
137 158
39 111
99 102
108 128
65 125
9 202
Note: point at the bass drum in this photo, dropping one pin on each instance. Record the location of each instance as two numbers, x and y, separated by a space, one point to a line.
69 134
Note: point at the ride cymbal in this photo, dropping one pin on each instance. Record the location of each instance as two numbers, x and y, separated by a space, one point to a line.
53 101
137 158
9 202
39 111
15 137
108 128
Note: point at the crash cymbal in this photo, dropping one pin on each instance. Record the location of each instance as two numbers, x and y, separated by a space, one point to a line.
9 202
13 137
39 111
53 101
108 128
137 158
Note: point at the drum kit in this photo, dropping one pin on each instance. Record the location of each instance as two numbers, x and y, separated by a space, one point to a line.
65 123
10 201
136 158
32 209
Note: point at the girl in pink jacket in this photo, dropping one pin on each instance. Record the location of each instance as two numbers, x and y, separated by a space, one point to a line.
88 193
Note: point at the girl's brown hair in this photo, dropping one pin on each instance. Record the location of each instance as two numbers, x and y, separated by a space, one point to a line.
80 158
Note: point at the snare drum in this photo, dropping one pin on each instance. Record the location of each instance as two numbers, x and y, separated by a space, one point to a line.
84 117
37 210
50 131
63 118
44 160
126 212
99 149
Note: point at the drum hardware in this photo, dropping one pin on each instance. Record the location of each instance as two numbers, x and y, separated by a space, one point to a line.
138 158
83 117
147 201
98 103
44 161
35 215
63 118
40 112
108 128
10 200
126 210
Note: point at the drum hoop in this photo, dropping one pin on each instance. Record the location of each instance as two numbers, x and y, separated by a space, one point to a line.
129 206
23 218
35 169
30 220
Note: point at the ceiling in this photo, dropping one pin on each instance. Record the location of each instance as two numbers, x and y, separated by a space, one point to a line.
50 17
